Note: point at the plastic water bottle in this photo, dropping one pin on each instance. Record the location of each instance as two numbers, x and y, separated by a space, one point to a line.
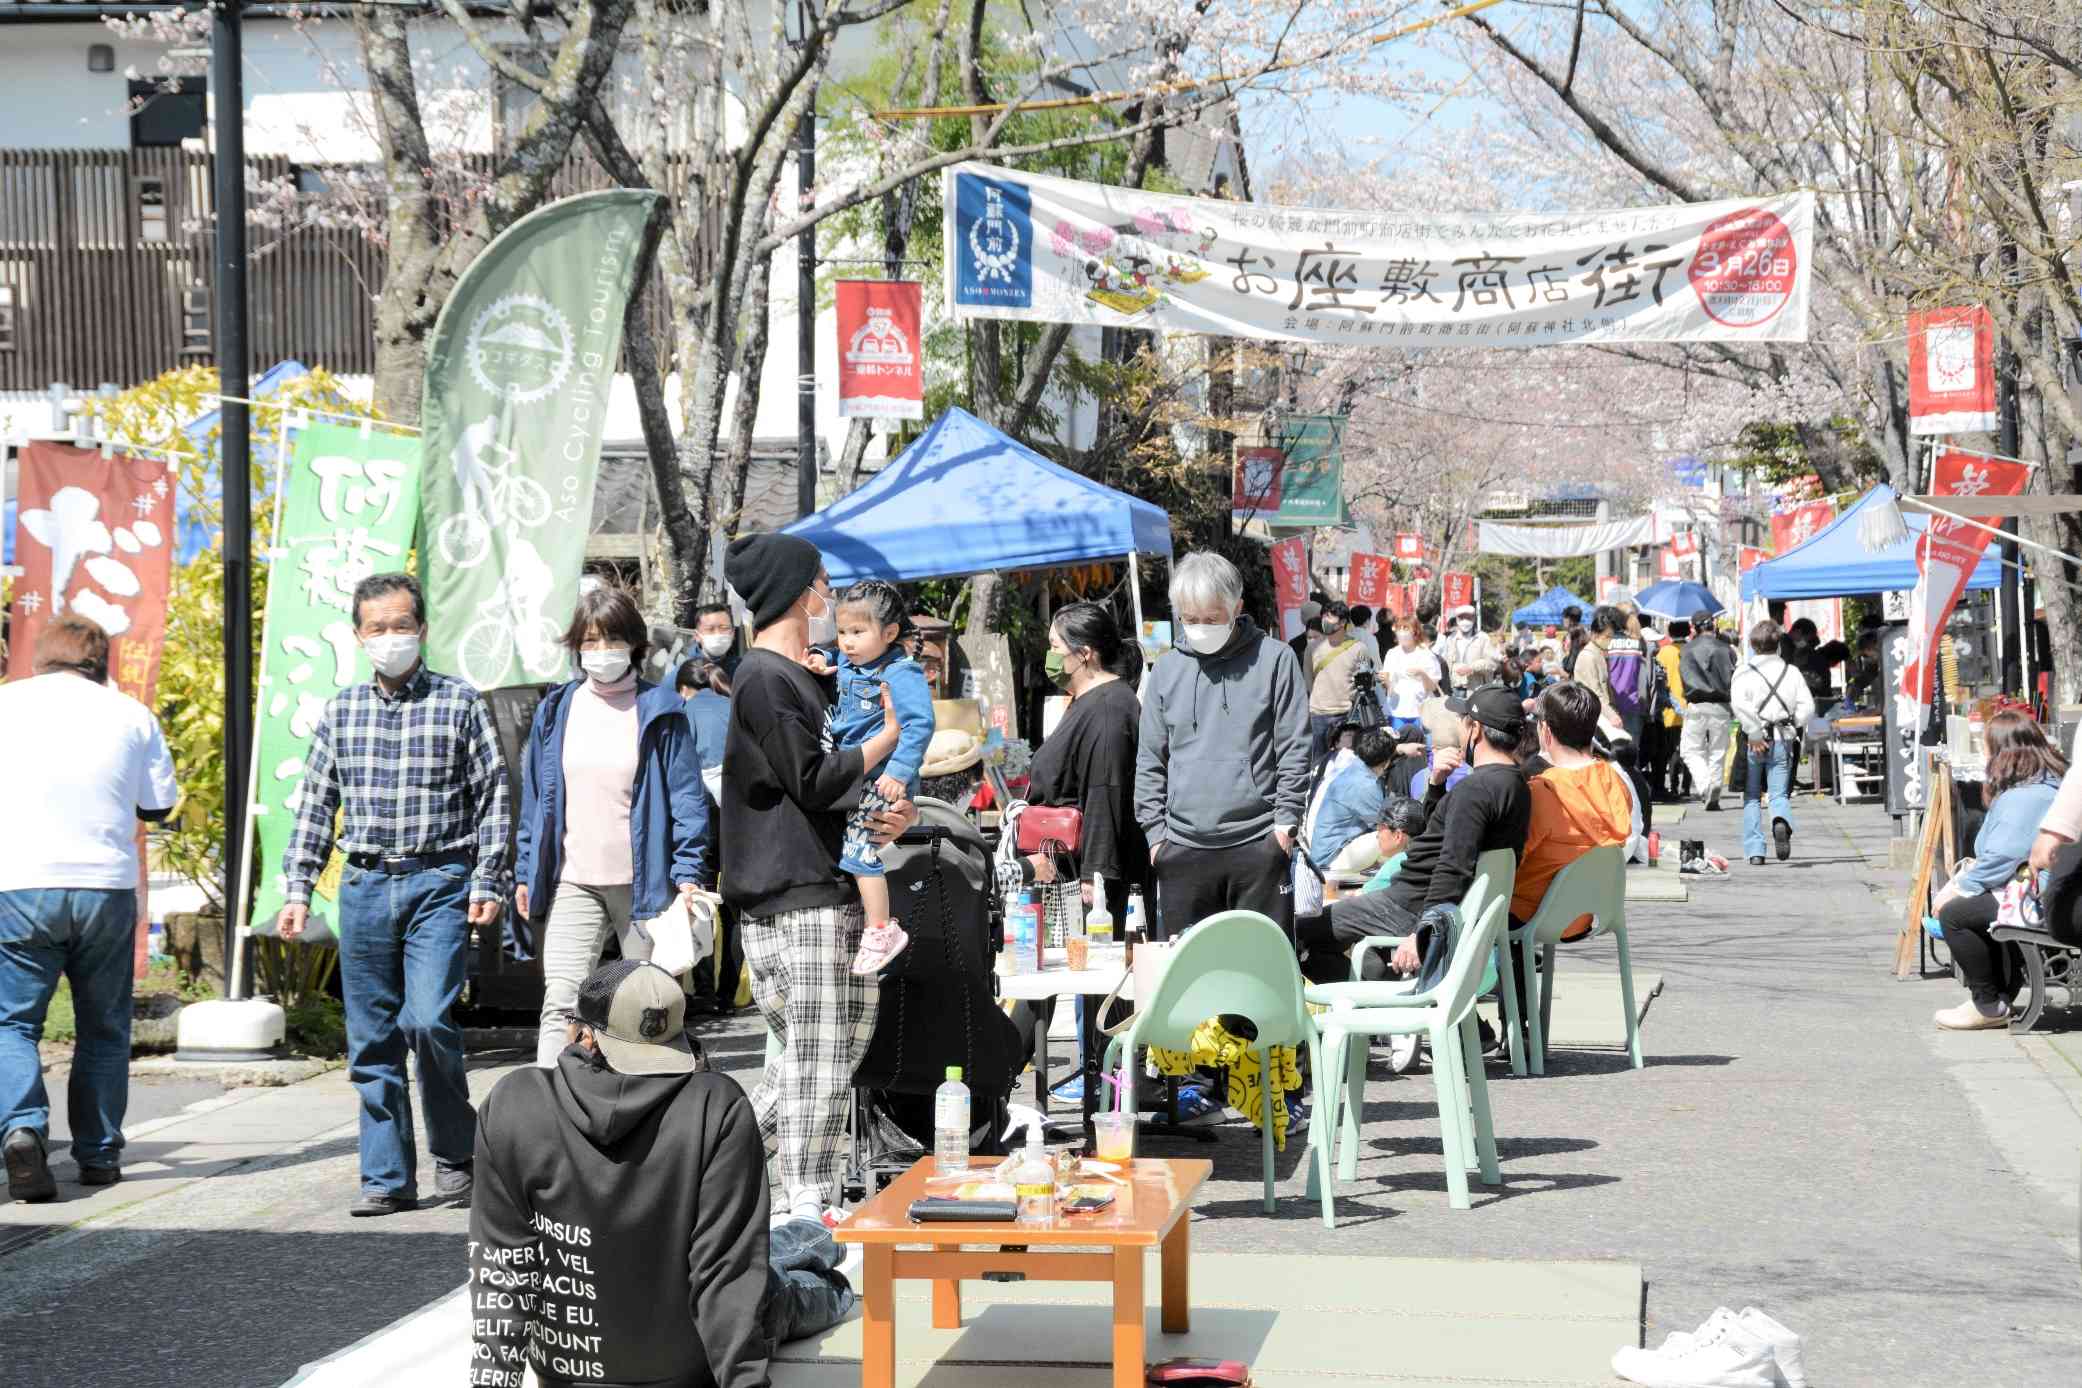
951 1124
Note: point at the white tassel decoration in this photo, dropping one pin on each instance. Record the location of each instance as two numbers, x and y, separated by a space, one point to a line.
1881 526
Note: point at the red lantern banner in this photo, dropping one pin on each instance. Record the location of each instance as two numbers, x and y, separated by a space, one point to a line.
1951 354
881 350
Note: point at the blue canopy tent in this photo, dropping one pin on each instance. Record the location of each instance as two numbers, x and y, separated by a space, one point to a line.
1546 609
966 499
7 509
1835 564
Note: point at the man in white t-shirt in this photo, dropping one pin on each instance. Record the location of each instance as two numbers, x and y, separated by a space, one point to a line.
1412 675
84 763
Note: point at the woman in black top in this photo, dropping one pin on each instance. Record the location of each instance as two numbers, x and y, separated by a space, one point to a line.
1088 762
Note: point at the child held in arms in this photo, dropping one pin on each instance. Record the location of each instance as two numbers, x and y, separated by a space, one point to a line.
872 622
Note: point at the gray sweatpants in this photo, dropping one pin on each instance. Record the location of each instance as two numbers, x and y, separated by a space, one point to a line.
580 918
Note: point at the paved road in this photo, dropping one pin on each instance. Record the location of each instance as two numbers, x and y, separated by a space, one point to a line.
149 1099
1801 1140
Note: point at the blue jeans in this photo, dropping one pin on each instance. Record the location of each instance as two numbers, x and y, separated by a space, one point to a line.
87 935
1770 762
403 944
804 1291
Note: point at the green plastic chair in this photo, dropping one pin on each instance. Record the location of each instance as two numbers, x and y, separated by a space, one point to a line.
1496 875
1233 963
1445 1014
1595 885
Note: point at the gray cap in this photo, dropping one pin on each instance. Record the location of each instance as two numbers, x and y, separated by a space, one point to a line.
639 1018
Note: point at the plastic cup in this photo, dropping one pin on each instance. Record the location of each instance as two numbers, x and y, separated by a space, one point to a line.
1114 1135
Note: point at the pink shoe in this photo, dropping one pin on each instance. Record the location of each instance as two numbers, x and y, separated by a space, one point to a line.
878 945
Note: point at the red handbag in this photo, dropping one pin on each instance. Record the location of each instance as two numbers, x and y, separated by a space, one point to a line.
1045 824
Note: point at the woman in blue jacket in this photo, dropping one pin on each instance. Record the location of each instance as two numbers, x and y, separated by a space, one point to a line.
613 817
2023 772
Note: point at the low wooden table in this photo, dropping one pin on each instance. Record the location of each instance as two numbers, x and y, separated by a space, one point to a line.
1152 1211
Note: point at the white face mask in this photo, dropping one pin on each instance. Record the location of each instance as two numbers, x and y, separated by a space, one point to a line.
1467 626
824 626
605 666
1207 639
392 655
716 645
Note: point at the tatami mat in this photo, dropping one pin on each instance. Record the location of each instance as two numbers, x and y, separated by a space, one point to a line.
1294 1319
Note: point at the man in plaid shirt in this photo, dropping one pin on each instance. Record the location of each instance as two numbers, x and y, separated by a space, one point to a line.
411 759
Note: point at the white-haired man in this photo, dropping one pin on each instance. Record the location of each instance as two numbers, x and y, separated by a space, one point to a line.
1221 773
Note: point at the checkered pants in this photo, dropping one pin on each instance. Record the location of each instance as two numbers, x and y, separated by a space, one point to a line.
823 1015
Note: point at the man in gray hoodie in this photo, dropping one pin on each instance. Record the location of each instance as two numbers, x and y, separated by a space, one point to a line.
1221 772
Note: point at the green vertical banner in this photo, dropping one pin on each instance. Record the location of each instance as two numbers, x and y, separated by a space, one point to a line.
1312 483
518 375
349 503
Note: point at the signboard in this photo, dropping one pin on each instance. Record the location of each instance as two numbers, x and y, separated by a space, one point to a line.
1035 248
1368 583
1945 560
348 510
881 349
1409 546
518 376
1289 583
1312 480
1255 485
1901 736
94 537
1456 591
1747 557
1951 354
1683 543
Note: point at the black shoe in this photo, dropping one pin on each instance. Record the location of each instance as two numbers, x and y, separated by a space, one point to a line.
1756 860
100 1175
375 1206
28 1169
453 1183
1782 836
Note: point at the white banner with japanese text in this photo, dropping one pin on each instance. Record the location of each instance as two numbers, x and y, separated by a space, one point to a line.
1039 249
349 505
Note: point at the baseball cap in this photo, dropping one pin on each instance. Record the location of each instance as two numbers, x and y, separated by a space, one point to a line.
1493 706
639 1018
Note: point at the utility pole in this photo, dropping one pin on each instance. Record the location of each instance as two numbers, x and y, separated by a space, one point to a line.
806 313
227 98
2006 408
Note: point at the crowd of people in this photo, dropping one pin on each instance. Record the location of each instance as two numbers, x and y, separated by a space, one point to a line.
1237 771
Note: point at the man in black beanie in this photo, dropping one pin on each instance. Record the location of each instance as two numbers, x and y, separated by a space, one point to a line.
786 793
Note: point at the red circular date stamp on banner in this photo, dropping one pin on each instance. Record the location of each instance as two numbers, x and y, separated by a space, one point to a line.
1745 268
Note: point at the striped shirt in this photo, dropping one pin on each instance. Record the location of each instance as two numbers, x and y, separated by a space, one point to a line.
418 772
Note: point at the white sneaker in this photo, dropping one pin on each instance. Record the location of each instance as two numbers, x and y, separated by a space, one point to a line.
1785 1346
1681 1341
1725 1353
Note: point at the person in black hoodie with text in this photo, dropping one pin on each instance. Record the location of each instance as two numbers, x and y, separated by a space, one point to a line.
618 1235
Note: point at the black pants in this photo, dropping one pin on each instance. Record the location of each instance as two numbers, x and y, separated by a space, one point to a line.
1993 971
1328 935
1194 883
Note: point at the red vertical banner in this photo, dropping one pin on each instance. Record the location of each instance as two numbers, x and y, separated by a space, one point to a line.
1946 556
1951 359
1399 601
881 350
1683 543
1255 487
1290 583
1456 591
1795 527
1747 557
1367 584
94 537
1668 564
1409 546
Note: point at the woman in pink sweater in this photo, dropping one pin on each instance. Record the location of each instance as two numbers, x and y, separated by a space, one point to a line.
613 818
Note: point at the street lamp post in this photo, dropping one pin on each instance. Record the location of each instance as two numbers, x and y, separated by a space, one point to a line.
805 282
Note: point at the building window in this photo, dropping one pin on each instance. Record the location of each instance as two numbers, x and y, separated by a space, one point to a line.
7 342
152 212
163 117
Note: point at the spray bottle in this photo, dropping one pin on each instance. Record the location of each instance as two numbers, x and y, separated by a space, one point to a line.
1033 1177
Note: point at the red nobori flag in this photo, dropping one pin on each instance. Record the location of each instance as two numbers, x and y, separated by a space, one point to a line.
1409 546
1255 487
94 537
1747 557
1791 529
1951 354
1367 585
881 357
1683 543
1946 557
1456 590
